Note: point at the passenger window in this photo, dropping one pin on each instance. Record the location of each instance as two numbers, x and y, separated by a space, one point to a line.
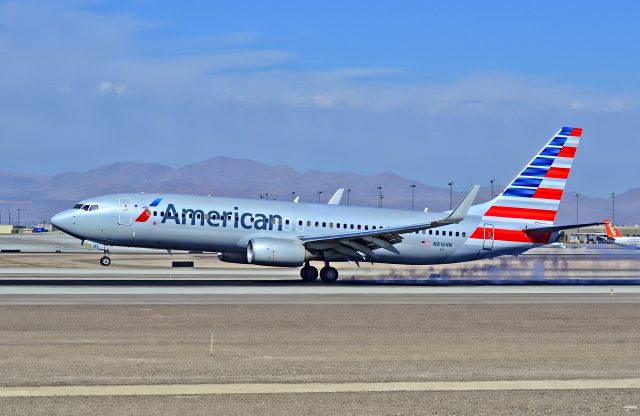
330 225
300 222
308 223
430 232
287 221
374 227
359 227
437 232
366 227
162 213
450 233
191 215
155 213
457 233
464 234
324 224
352 226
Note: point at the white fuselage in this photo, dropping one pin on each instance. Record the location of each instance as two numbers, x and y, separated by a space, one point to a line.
226 225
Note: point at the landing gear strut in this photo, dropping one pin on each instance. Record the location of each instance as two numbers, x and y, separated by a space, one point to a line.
308 273
328 274
105 260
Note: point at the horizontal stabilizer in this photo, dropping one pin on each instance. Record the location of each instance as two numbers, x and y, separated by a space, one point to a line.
559 227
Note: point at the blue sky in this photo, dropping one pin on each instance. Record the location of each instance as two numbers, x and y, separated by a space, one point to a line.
435 91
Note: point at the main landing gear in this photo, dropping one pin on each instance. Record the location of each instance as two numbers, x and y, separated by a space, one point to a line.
105 260
309 273
328 274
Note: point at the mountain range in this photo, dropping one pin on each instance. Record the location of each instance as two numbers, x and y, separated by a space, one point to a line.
39 197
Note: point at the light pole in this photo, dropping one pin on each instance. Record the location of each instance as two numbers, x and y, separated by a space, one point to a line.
348 194
18 217
319 193
613 208
413 196
491 182
9 211
380 196
450 194
577 195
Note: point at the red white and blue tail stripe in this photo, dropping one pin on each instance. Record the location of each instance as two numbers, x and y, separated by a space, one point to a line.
534 195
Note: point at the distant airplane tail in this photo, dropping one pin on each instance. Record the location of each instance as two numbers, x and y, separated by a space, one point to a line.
612 231
534 195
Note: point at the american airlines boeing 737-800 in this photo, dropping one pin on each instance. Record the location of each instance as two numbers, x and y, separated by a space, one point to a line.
290 234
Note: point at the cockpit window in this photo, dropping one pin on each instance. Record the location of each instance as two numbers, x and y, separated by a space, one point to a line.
85 207
77 206
93 208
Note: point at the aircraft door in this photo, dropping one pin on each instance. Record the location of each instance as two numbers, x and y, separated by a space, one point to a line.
300 226
487 244
124 215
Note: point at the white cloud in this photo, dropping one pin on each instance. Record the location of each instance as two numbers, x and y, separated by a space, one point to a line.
109 87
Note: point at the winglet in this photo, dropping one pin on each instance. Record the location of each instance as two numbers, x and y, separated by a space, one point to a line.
460 212
337 197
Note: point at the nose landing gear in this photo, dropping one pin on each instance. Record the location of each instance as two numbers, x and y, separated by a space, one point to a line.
105 260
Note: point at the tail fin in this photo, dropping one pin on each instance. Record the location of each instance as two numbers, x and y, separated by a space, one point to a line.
612 231
534 195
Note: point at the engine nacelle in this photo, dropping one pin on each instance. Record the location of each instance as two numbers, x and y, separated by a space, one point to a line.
267 251
240 258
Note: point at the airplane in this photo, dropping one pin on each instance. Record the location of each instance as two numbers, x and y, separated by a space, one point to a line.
289 234
616 237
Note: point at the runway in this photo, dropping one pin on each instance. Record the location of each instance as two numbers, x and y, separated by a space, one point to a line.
144 338
288 293
298 388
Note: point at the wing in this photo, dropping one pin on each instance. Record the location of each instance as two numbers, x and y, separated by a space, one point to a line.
360 245
337 197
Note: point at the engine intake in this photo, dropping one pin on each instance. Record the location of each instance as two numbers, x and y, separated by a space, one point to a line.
266 251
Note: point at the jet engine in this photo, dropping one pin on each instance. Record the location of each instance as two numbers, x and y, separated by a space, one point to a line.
267 251
240 258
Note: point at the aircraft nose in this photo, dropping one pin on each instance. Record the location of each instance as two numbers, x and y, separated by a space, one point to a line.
62 220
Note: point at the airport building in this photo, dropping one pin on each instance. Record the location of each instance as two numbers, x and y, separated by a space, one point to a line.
596 233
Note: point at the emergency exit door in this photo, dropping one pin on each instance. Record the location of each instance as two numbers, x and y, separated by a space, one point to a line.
124 216
489 233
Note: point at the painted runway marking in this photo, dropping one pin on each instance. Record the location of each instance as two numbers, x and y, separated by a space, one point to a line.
289 388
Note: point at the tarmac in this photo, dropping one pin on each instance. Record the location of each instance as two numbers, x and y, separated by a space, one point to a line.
142 338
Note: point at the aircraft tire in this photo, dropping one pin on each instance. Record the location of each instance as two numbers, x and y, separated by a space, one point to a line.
105 260
309 273
329 274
